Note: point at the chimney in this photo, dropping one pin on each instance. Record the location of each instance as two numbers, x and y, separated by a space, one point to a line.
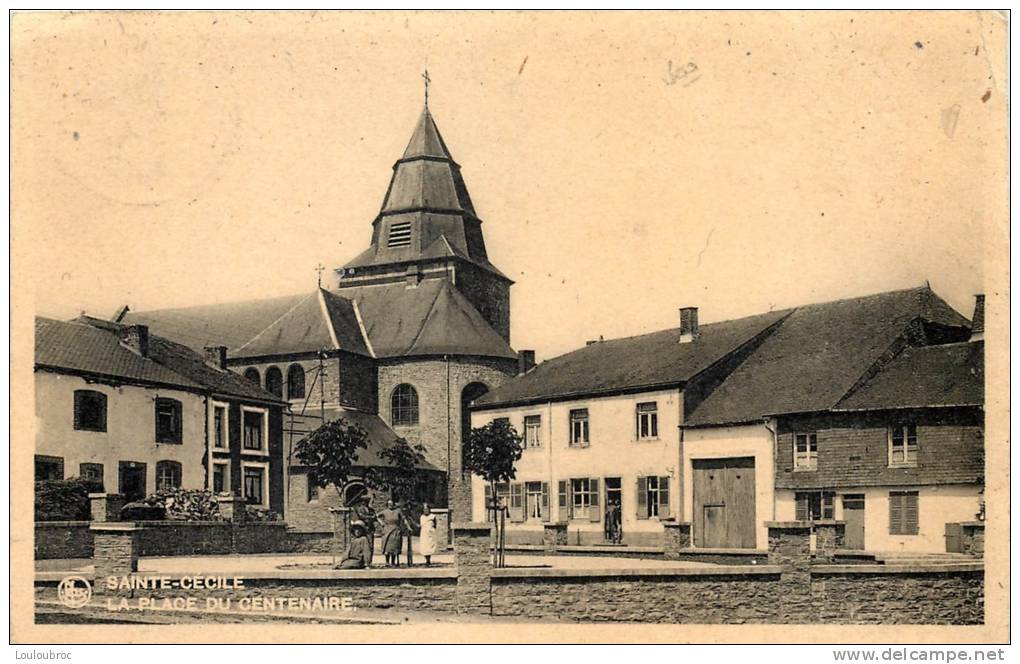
977 325
136 337
216 356
688 324
525 361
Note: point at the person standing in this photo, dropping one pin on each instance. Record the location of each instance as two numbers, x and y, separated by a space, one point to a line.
427 534
393 535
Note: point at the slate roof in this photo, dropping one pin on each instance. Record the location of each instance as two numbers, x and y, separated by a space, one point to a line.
432 319
925 377
380 435
427 191
92 346
650 360
818 354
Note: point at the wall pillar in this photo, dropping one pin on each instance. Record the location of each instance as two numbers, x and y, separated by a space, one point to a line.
341 528
973 534
232 508
473 560
676 537
554 535
115 553
829 536
790 548
444 535
105 507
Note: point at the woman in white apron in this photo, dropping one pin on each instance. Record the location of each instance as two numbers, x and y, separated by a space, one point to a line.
427 536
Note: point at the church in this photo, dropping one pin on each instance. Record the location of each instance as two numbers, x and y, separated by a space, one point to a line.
413 330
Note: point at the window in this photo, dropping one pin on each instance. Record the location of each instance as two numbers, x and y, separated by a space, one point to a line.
92 472
313 490
400 234
579 427
221 477
805 451
404 406
533 431
815 505
254 430
48 467
168 421
274 381
902 512
579 499
220 435
255 484
502 498
168 475
252 374
647 420
89 410
537 501
295 382
653 497
903 445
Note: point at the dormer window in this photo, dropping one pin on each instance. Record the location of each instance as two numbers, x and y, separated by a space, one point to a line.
400 235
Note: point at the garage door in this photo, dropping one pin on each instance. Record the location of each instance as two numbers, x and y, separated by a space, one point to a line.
724 503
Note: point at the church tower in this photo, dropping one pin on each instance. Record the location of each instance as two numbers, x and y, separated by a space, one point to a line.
427 228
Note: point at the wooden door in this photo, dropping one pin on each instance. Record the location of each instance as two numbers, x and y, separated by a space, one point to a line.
724 503
132 480
853 515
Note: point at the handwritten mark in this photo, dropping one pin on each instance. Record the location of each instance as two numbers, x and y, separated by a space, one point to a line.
705 248
950 116
522 65
685 75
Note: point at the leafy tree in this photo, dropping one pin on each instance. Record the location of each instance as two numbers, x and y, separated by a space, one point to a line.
491 452
330 452
401 477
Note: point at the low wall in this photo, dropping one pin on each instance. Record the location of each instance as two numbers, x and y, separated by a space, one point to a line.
62 539
73 539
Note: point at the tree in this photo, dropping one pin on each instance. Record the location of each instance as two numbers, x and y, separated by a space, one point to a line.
491 452
330 452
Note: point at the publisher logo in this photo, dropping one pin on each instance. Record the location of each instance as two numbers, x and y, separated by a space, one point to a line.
74 592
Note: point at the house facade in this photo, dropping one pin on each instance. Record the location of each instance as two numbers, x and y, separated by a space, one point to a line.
817 412
138 413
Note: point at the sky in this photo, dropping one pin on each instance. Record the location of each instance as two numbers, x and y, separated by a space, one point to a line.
624 165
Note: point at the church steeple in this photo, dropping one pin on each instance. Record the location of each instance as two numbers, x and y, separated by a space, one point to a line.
427 227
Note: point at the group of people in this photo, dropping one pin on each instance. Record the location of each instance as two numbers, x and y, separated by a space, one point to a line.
395 526
614 522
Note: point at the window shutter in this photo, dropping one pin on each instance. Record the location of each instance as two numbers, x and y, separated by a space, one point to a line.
663 497
563 499
895 514
642 498
488 502
546 512
594 513
909 508
178 424
802 507
517 502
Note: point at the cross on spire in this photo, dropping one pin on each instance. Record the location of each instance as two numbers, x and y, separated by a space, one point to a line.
319 268
427 80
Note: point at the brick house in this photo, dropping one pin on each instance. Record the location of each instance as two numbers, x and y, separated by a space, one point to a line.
137 413
729 412
417 326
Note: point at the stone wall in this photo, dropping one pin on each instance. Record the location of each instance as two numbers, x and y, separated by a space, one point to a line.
62 539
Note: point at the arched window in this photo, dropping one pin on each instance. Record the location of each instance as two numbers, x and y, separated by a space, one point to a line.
168 475
274 381
89 410
404 406
252 374
295 382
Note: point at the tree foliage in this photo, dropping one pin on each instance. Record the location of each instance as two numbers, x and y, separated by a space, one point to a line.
64 500
492 450
402 476
330 452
